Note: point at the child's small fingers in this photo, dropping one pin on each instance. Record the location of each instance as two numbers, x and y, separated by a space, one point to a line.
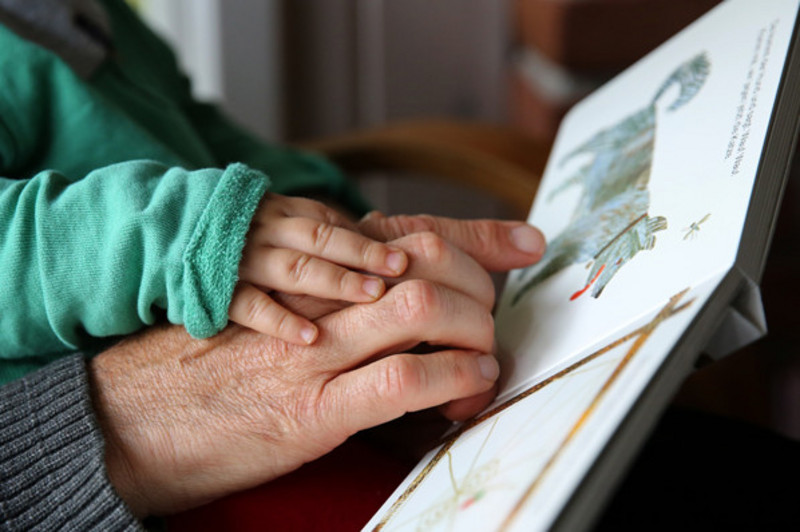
339 245
308 208
295 272
253 308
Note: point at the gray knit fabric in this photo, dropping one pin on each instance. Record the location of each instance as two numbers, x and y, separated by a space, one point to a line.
52 470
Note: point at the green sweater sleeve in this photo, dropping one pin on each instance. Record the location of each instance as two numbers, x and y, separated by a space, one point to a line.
110 253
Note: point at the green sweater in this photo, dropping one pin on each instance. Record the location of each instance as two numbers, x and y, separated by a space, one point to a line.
121 199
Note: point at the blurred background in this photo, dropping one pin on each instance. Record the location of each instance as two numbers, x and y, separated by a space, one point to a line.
297 69
293 70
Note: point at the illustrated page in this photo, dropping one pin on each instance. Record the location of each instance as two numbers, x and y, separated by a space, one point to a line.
647 187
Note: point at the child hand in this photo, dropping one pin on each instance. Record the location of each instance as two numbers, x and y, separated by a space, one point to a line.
300 246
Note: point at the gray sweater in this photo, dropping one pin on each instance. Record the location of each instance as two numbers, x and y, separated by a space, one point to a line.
52 469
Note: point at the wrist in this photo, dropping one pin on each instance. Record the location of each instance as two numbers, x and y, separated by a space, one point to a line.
121 474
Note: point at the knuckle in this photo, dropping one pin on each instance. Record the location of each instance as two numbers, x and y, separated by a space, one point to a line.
431 246
256 308
401 376
346 281
484 236
460 374
370 252
416 300
298 267
321 235
283 324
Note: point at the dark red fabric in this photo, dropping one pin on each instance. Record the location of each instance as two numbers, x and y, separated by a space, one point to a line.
338 492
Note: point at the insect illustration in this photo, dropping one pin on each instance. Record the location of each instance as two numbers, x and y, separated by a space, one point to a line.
473 487
694 228
611 222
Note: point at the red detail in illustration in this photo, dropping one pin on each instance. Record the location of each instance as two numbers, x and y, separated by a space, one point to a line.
580 292
472 500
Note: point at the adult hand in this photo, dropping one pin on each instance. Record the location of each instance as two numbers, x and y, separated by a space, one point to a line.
187 421
495 245
431 258
432 245
190 420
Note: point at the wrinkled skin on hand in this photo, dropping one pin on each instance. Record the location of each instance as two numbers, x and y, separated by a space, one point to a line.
187 420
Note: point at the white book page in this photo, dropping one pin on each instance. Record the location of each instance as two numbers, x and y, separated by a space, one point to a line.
514 467
647 188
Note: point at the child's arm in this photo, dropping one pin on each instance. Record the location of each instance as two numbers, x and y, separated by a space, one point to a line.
112 252
300 246
108 254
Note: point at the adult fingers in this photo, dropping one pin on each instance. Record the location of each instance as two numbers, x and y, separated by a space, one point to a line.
254 309
336 244
388 388
412 312
496 245
295 272
433 258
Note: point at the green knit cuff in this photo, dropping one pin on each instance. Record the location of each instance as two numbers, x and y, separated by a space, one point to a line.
211 260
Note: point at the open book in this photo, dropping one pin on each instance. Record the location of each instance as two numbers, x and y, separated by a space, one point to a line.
658 203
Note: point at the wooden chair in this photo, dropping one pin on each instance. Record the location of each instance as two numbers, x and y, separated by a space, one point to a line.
497 160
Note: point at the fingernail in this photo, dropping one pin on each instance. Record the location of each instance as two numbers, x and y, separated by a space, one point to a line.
527 239
489 367
396 261
308 334
373 287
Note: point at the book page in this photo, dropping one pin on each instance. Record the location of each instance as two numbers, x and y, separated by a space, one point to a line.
514 466
647 187
643 203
